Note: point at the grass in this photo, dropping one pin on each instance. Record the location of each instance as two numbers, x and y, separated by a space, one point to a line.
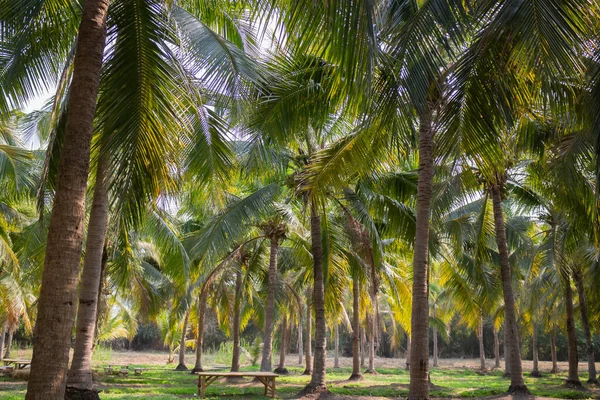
162 383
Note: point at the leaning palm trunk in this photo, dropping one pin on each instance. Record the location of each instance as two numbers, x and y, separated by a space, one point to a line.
235 358
281 369
3 335
419 352
336 334
356 375
265 364
57 302
80 374
317 381
534 344
9 342
482 366
307 352
181 366
496 349
586 328
200 339
573 377
512 348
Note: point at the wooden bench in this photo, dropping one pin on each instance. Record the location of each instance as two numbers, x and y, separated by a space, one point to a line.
266 378
19 364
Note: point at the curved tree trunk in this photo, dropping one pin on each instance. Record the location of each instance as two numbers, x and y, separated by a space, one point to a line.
534 344
9 342
265 364
573 377
496 349
57 302
336 333
235 358
80 374
512 347
200 339
307 352
356 374
482 366
317 382
281 369
419 352
586 328
181 366
553 352
2 336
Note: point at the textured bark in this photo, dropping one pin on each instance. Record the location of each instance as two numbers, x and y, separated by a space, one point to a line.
181 366
80 374
282 348
583 308
512 347
534 344
57 302
496 349
419 352
317 381
356 374
200 339
265 364
506 353
573 376
553 352
482 366
336 334
235 359
308 352
9 342
2 336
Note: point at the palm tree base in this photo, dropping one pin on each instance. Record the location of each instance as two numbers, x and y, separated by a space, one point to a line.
181 367
73 393
593 382
535 374
573 384
196 369
313 389
520 390
281 371
355 377
371 372
307 372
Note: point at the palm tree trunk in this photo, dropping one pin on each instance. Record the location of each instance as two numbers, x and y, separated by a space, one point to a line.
181 366
317 381
300 338
553 352
506 352
371 327
363 345
586 328
11 330
408 346
356 374
265 364
496 349
282 348
573 377
419 352
307 352
235 359
517 384
57 302
80 374
435 348
200 340
482 366
102 308
2 336
336 362
536 371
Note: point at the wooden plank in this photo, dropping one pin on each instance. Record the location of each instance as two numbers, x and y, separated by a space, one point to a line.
236 374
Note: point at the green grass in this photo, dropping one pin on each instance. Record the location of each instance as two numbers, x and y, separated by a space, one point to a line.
162 383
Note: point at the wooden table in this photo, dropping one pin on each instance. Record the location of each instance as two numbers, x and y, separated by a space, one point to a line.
266 378
19 364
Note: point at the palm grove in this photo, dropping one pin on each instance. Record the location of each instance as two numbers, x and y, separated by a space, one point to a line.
304 165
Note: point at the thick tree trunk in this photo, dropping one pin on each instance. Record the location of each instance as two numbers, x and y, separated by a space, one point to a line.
506 352
317 382
496 349
265 364
57 302
300 338
281 369
336 333
534 344
9 342
235 358
2 336
419 352
200 339
308 352
553 352
573 377
435 348
356 374
80 374
482 366
586 328
181 366
512 347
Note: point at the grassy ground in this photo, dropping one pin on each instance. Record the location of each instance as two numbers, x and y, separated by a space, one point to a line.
454 379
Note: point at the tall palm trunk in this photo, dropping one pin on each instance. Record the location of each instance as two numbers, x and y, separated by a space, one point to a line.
336 334
265 364
317 381
573 377
181 366
512 347
435 348
586 328
200 339
235 358
307 352
496 349
363 345
506 352
408 346
80 374
419 352
57 302
281 369
300 338
482 366
11 331
2 336
371 327
553 352
356 374
534 344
